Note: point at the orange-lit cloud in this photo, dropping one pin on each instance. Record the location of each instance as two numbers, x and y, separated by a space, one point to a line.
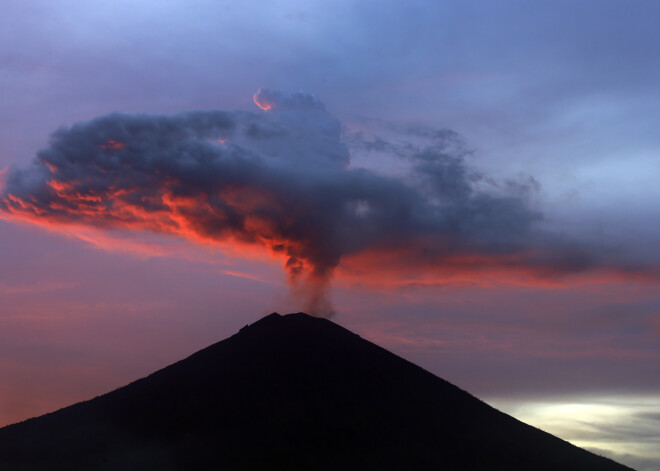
261 103
274 100
391 268
112 145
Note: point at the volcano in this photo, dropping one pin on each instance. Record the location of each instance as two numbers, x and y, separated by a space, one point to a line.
289 392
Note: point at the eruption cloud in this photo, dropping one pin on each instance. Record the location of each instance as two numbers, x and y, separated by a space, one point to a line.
282 179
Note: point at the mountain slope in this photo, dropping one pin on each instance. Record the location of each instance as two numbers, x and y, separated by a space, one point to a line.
288 392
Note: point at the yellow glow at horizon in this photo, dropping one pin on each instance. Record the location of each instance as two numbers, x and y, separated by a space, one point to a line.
593 422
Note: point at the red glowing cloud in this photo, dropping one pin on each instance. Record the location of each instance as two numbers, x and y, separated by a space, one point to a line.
261 102
392 268
112 145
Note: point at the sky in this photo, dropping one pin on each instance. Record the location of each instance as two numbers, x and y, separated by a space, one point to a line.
470 185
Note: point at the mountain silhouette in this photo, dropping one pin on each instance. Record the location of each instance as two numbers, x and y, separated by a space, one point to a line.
289 392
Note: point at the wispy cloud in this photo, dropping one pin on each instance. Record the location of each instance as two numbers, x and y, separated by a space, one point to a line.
626 428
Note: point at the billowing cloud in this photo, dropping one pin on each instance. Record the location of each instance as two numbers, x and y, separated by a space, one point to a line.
282 179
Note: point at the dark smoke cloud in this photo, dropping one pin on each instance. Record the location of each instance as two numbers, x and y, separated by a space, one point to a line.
282 179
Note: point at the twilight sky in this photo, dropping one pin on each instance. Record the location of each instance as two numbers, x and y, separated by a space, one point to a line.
468 184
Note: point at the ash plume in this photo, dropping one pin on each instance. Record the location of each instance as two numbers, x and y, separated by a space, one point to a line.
282 178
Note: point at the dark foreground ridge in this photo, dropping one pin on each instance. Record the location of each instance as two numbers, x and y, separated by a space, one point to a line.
288 393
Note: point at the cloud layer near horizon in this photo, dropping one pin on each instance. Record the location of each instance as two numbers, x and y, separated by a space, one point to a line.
282 179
